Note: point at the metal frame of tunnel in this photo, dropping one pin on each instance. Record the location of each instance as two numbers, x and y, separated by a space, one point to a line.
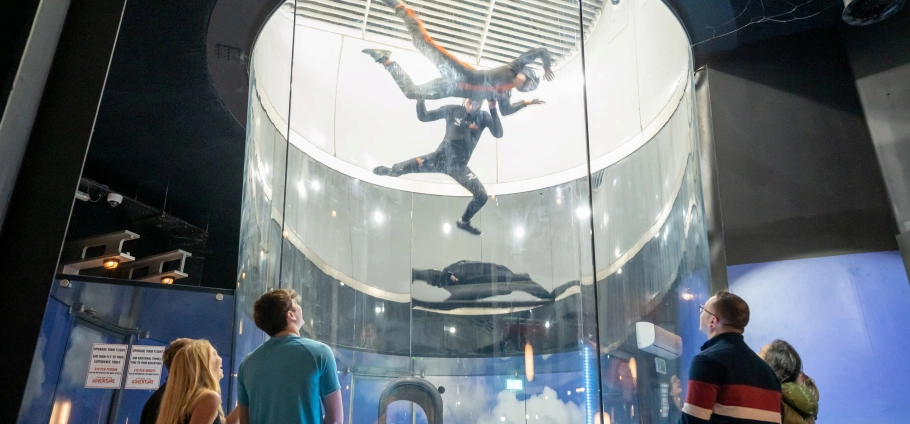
416 390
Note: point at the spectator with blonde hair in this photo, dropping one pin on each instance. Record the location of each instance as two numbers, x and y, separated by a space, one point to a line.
150 410
193 394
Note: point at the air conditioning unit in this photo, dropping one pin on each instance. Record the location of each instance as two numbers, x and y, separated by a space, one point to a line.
865 12
657 341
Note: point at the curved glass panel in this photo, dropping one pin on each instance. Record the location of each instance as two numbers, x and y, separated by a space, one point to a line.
591 228
264 176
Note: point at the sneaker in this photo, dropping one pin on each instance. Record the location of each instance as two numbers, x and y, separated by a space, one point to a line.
466 226
385 171
380 56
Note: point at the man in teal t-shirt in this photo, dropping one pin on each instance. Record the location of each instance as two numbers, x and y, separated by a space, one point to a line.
289 379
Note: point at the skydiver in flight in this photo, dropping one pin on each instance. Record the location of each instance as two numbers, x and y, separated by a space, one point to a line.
460 79
471 280
464 125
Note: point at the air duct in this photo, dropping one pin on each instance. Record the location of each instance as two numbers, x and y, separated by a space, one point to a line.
865 12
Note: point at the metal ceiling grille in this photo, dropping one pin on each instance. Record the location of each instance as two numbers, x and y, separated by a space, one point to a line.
487 30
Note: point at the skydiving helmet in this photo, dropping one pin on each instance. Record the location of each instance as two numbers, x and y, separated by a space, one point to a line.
532 81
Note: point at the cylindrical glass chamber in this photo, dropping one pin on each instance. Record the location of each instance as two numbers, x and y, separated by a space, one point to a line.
592 221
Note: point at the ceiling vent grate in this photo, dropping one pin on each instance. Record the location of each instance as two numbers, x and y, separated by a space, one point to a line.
490 31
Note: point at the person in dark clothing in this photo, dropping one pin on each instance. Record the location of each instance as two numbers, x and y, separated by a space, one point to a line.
471 280
460 79
464 125
150 410
728 382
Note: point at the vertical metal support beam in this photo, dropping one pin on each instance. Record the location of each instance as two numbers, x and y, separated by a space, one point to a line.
19 113
486 30
42 200
118 395
710 187
366 18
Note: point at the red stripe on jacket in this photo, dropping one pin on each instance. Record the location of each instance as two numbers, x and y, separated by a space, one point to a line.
705 395
701 394
749 397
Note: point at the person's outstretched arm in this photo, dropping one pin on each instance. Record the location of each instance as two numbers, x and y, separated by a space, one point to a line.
493 120
432 115
509 108
531 55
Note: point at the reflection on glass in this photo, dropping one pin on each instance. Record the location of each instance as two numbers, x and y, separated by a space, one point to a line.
532 320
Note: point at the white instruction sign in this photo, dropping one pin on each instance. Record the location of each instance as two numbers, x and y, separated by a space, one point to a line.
105 370
145 367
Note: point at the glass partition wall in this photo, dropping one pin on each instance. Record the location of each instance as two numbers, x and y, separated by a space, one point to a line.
593 239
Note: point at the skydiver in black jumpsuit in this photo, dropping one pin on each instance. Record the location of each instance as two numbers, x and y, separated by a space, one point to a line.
460 79
471 280
464 125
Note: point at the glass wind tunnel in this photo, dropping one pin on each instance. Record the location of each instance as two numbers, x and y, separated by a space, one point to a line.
593 221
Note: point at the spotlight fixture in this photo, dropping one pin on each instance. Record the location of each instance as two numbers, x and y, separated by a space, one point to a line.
167 280
111 263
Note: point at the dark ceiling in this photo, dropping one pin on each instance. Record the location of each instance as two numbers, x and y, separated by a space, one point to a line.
163 130
716 27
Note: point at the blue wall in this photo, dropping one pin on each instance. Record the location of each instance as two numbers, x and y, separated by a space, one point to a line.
847 316
166 312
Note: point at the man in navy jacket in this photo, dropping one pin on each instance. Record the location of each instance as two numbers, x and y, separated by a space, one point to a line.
728 382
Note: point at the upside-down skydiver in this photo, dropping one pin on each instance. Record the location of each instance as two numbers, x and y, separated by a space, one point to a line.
460 79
